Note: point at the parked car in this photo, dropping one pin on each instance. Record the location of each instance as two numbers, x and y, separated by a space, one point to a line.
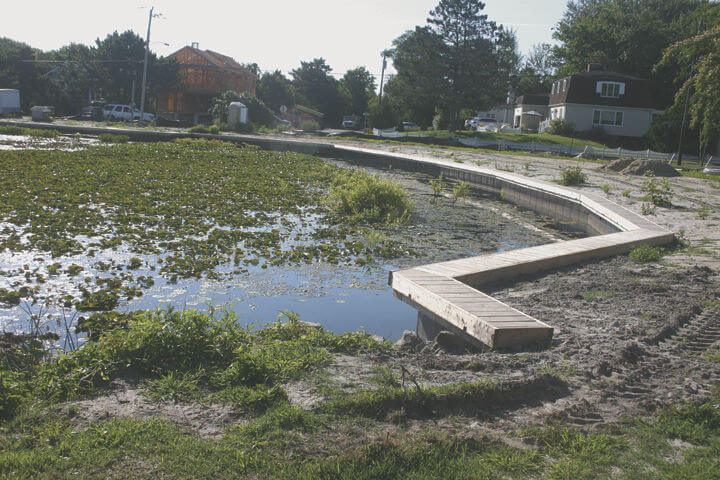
409 126
350 121
471 123
485 123
93 111
113 111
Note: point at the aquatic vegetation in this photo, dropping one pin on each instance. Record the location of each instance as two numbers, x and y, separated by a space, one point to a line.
113 138
187 209
359 197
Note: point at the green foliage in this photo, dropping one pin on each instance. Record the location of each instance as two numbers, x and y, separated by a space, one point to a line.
438 185
192 354
560 126
646 253
113 138
606 188
703 212
572 176
360 197
658 194
358 86
9 297
460 190
214 129
12 392
309 126
30 132
698 75
318 89
275 90
258 113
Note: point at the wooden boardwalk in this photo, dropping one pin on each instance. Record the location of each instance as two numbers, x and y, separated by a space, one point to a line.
447 292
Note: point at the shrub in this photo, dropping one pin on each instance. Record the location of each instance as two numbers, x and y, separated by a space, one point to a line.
658 194
572 176
360 197
310 126
460 190
646 253
198 129
560 126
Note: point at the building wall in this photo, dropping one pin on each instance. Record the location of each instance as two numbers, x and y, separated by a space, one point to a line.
636 121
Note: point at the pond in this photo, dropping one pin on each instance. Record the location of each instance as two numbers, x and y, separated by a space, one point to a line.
208 225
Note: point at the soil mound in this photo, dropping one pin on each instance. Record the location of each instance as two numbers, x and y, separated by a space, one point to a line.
618 165
658 167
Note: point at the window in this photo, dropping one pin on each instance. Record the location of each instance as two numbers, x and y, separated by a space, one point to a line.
607 117
610 89
565 85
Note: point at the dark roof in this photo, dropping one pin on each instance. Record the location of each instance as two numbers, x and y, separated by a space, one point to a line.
533 99
581 89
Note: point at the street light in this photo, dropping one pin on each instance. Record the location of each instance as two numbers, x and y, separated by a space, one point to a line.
147 51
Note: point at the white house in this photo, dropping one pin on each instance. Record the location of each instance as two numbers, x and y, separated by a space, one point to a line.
530 109
618 103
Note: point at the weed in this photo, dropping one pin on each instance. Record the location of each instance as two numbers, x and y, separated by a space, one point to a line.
626 193
704 211
572 176
606 188
646 253
647 209
373 239
526 165
658 194
460 190
438 185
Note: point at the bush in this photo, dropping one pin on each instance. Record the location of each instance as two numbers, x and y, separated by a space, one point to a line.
658 194
258 112
360 197
310 126
646 253
560 126
572 176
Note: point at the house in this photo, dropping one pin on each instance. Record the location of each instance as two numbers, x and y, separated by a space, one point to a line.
204 75
619 104
530 110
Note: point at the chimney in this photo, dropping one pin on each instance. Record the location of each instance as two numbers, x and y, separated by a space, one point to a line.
195 45
593 67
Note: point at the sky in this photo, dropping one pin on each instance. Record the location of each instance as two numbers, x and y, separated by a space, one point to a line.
275 34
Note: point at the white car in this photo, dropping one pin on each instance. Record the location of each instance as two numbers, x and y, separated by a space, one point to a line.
126 113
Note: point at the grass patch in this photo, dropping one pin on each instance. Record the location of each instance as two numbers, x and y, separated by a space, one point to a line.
113 138
646 254
30 132
213 129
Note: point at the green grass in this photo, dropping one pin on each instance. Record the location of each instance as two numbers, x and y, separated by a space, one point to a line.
700 174
31 132
646 254
113 138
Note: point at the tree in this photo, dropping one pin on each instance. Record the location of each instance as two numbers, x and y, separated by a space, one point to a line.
469 54
418 58
18 70
699 59
358 87
313 83
538 70
274 89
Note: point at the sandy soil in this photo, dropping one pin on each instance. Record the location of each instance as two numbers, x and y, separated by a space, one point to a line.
630 338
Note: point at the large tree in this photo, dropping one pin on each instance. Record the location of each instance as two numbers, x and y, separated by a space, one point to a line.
314 84
275 90
358 88
538 70
460 60
18 70
699 59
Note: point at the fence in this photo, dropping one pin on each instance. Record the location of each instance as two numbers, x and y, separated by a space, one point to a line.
585 151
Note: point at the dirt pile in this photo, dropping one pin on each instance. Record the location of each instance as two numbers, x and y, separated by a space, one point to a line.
658 167
617 165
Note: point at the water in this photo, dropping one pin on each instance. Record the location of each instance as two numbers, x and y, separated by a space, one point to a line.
342 298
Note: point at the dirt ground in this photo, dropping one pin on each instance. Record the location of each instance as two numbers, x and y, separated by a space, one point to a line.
629 338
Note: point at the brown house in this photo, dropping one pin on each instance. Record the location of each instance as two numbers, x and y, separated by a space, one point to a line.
204 75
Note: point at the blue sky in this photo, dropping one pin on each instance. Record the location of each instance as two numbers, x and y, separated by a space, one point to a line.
276 34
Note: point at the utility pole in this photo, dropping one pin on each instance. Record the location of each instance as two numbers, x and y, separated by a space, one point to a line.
382 77
685 111
145 65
